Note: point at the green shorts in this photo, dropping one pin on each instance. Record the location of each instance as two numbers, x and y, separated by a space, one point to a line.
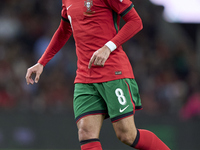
116 99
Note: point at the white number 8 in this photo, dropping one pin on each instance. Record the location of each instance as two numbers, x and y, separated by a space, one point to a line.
120 95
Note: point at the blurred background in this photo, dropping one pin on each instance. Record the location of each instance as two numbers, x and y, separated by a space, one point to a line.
165 57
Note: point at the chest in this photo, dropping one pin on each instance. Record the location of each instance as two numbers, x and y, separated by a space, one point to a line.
80 9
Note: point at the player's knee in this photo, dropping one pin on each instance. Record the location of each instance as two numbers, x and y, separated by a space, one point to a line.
85 133
126 138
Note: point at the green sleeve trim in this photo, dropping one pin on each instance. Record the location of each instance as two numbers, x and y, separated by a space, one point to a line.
127 10
64 19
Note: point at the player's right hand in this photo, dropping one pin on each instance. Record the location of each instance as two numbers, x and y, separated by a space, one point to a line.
36 69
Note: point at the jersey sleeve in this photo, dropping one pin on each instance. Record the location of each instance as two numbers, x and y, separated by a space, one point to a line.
133 22
122 7
58 40
64 14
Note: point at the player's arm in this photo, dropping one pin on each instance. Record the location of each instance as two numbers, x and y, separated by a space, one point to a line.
58 40
132 26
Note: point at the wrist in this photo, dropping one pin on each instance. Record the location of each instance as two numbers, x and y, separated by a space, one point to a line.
111 45
40 64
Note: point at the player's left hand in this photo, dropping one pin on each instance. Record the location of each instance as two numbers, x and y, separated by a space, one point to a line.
100 56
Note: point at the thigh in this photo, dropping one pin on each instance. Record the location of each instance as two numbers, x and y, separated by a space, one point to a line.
125 127
87 101
89 127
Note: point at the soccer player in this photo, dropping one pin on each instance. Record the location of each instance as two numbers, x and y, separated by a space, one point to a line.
104 83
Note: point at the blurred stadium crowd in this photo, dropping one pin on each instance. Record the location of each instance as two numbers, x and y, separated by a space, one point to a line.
163 56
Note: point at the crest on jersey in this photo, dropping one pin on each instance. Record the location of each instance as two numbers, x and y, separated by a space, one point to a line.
88 5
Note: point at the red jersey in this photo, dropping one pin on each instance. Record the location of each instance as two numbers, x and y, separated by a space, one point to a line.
94 23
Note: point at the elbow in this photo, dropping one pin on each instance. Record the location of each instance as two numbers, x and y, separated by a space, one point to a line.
140 24
137 22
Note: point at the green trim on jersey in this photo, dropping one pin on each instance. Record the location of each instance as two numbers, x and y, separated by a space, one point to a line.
115 15
127 10
115 20
64 19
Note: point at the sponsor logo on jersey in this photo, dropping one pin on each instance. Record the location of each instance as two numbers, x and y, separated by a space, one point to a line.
118 73
69 6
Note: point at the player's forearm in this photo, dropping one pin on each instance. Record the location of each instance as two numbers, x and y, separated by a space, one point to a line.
133 26
58 40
